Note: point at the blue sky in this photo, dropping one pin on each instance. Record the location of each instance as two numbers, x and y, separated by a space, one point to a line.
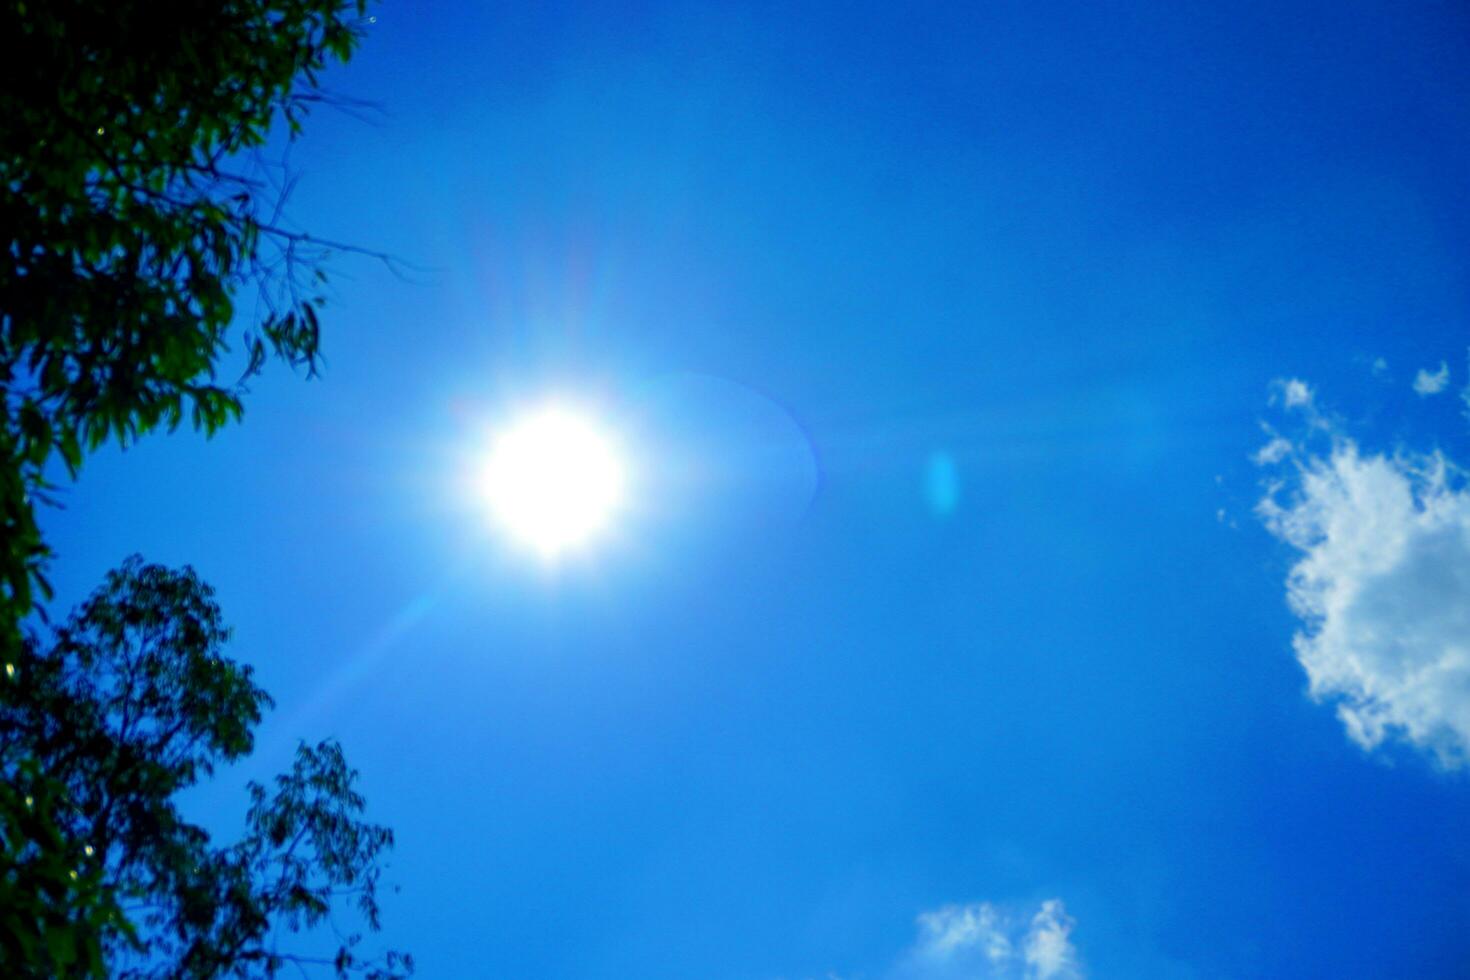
949 635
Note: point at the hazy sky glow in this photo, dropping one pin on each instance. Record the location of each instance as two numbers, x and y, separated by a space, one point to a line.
1041 545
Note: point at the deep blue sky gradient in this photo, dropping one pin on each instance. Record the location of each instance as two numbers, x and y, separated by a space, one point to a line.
801 249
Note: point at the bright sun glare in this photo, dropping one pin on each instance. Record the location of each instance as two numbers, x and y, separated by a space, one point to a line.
553 480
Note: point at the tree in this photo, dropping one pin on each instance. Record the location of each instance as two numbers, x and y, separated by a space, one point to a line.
123 706
135 205
53 908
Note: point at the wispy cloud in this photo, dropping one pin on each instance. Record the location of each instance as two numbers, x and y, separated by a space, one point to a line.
1272 452
1382 588
1426 384
1295 393
983 941
1048 950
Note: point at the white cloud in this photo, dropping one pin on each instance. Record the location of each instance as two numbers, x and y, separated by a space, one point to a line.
1380 367
1382 587
1426 384
1295 393
1272 452
1049 952
958 927
982 941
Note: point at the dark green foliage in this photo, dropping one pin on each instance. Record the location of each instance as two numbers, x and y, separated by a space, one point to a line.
123 706
133 208
53 908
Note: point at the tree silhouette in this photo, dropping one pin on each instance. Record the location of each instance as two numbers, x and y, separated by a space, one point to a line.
54 909
123 706
135 204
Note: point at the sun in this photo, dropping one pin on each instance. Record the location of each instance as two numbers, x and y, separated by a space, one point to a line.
553 480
